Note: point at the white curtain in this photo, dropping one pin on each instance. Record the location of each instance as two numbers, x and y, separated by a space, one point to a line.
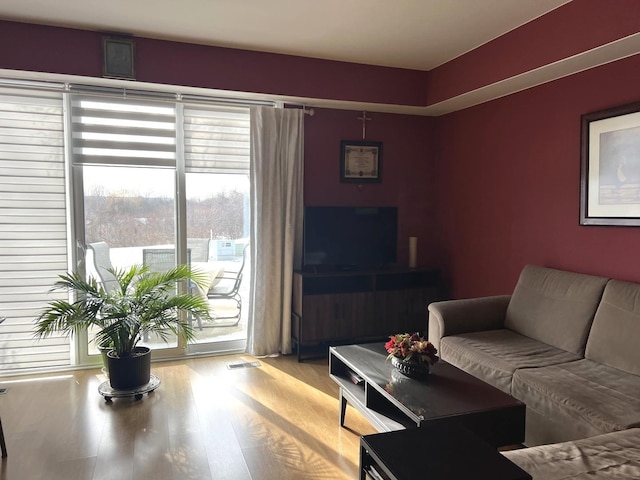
277 143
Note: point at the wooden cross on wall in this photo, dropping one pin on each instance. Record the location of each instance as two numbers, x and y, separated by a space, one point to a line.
364 120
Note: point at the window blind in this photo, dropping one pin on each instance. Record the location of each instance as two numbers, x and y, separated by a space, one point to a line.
122 131
216 139
33 231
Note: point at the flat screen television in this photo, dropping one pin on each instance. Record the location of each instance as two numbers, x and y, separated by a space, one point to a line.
344 238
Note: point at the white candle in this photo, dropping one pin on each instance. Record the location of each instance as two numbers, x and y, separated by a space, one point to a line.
413 252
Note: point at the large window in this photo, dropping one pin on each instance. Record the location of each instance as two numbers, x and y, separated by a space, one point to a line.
147 179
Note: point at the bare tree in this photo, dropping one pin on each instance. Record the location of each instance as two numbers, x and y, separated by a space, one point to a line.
124 221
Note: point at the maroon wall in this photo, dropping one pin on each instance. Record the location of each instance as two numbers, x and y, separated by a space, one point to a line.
487 189
575 27
407 171
41 48
508 175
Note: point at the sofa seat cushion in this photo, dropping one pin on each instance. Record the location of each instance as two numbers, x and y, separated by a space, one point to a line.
494 355
609 456
603 398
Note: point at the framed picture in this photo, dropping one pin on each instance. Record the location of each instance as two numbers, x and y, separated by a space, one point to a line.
119 58
610 167
360 161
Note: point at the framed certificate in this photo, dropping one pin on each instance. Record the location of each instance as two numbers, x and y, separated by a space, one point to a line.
360 161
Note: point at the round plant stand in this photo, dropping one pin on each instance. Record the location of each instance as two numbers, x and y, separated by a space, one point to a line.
108 393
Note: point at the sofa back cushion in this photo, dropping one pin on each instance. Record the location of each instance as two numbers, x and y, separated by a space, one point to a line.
555 306
615 334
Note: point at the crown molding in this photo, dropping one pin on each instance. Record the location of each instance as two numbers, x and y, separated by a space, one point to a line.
602 55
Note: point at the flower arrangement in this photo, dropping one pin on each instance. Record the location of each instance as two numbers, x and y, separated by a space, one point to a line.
411 347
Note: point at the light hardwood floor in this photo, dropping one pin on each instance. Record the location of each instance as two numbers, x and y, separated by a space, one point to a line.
205 421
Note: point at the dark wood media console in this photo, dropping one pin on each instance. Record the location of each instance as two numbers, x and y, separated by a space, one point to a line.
339 307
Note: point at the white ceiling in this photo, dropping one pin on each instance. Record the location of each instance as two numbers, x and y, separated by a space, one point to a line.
415 34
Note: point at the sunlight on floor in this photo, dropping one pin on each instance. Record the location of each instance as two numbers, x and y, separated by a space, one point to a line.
275 421
38 379
261 400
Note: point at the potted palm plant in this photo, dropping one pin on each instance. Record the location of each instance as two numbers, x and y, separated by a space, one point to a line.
143 303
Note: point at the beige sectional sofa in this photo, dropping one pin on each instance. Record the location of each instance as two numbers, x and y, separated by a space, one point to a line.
610 456
566 344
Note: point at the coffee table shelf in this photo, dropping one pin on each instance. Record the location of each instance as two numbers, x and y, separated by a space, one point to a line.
360 397
442 452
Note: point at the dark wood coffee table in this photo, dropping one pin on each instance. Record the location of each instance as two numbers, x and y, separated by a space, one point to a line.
391 401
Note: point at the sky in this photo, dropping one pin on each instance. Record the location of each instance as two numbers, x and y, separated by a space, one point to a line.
158 182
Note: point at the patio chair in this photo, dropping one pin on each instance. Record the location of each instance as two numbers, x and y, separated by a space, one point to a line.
102 265
162 260
199 249
228 288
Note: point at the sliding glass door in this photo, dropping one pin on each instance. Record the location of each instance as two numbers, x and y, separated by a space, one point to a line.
216 159
159 184
218 217
129 219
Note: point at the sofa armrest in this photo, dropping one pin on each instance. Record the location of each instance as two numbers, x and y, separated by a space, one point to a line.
468 315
